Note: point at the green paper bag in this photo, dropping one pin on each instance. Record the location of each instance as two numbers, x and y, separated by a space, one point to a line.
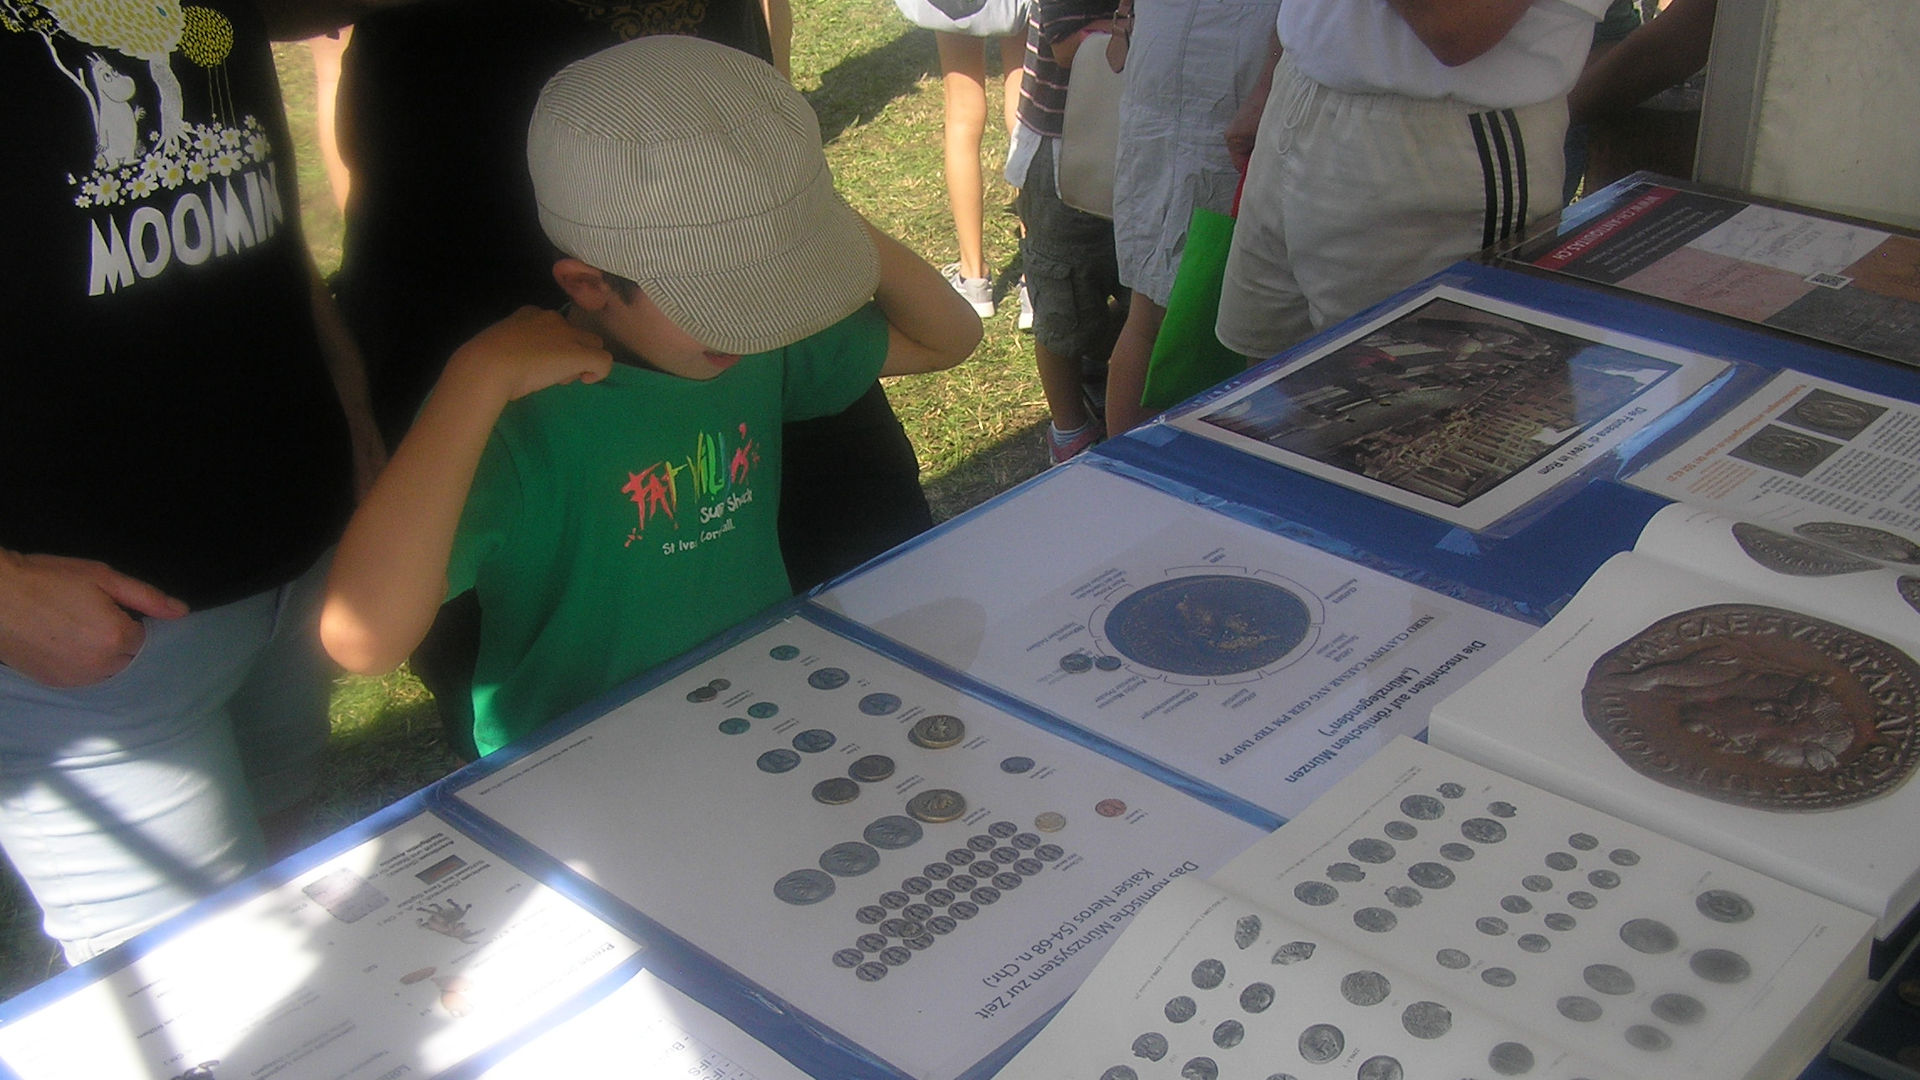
1187 358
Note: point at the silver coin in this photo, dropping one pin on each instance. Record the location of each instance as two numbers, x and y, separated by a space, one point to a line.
813 740
1608 979
984 869
1228 1033
849 958
803 887
777 761
1119 1072
1375 920
1005 856
1723 905
917 912
938 871
964 909
1257 997
1510 1059
1582 1010
1029 867
1365 988
1180 1009
1007 882
1246 930
1152 1046
894 832
1321 1043
895 955
901 928
1720 966
1583 841
1346 873
1426 1019
836 791
894 900
850 859
871 769
962 883
1560 860
1515 905
1452 959
1315 893
1679 1008
1604 879
871 914
985 895
1293 952
919 942
871 971
1208 974
980 843
1000 830
942 924
872 942
1490 925
1498 976
1533 943
1422 807
1371 850
1049 852
940 897
1404 896
1483 830
1649 1038
1380 1067
1650 936
1200 1068
937 805
937 732
1585 901
1026 841
960 857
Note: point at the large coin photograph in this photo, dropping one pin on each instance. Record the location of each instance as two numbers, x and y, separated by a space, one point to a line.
1208 625
1758 706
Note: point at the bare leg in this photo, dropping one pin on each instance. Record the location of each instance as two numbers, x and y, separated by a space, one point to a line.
1013 56
1060 381
1127 367
963 68
326 76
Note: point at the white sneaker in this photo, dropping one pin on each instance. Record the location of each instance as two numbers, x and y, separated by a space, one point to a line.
977 291
1026 307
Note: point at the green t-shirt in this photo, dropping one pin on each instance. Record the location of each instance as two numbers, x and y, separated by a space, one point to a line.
614 525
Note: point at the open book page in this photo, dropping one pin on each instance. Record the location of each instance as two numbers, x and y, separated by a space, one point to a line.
1249 661
1456 405
915 870
1208 985
1805 453
403 956
1866 578
1783 740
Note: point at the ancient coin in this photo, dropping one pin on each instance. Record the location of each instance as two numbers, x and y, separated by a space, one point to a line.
1650 936
985 895
1490 925
1208 974
1604 879
1585 901
1426 1019
763 710
1293 952
1862 540
1608 979
1400 830
1537 883
1403 896
964 909
1208 625
894 900
895 955
734 725
1321 1043
702 694
783 652
936 805
937 732
1515 905
1583 841
1720 966
1430 875
1577 1008
1371 849
893 832
1786 554
1510 1059
1315 893
1533 943
1502 809
1678 1008
1345 872
1257 997
849 859
1623 857
938 871
1180 1009
1001 830
1422 807
872 943
1560 920
1724 905
1560 860
1246 930
1007 882
1450 790
836 790
1452 959
1647 1037
1365 988
879 704
827 678
1831 414
872 768
813 740
1119 1072
1498 976
1107 663
778 761
803 887
1784 451
1228 1033
1456 852
1016 765
1483 830
1152 1046
1758 706
1200 1068
941 924
980 842
1375 920
1380 1067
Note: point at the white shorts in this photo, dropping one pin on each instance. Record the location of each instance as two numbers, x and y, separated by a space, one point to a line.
1353 197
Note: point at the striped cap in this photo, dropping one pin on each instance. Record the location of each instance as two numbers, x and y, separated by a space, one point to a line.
696 171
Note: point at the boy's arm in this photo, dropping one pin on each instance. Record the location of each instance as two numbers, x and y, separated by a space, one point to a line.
1457 31
931 327
390 574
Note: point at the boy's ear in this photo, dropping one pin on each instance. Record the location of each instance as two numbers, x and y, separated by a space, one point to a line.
585 285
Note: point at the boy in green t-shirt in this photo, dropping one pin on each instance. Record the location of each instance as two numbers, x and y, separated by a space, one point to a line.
607 478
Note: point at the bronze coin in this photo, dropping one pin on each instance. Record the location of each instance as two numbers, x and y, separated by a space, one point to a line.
937 805
937 732
1862 540
1758 706
1784 554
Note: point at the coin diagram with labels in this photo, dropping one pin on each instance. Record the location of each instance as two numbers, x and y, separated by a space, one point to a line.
1201 625
939 889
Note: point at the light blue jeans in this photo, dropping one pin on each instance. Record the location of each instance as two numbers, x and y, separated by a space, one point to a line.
124 802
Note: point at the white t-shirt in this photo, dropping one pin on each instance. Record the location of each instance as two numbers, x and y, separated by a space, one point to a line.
1365 47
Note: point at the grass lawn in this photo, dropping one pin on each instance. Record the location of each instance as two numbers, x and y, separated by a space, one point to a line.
874 82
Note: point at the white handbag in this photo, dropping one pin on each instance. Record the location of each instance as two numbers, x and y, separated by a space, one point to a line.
1090 130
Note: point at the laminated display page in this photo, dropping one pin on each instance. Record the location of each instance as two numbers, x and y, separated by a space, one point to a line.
921 873
1248 661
